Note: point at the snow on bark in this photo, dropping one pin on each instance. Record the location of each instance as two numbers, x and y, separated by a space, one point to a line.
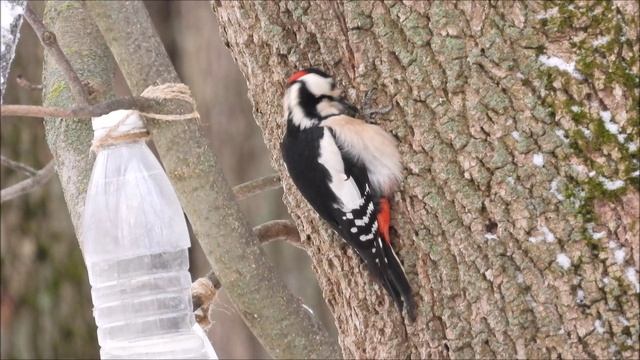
554 61
563 260
10 20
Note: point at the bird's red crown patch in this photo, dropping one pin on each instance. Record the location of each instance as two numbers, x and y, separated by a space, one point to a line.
297 75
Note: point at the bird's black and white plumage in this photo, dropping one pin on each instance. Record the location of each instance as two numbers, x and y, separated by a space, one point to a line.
346 169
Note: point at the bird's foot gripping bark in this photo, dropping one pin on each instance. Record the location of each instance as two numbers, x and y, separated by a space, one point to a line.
370 113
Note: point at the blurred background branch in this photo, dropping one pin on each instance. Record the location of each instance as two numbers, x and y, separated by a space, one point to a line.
34 181
21 81
27 170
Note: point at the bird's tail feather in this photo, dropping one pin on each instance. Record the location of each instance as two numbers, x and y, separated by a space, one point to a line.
399 289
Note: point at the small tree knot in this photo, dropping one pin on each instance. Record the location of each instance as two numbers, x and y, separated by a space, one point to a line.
48 37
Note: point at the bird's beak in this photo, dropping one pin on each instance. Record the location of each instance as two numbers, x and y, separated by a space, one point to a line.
349 108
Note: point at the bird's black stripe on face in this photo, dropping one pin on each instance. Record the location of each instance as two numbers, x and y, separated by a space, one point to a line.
308 102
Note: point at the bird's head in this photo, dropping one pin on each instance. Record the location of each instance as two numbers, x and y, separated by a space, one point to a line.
311 96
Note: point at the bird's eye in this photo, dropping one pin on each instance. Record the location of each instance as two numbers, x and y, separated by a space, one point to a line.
333 85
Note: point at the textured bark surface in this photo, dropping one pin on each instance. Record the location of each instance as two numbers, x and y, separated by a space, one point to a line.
70 139
510 236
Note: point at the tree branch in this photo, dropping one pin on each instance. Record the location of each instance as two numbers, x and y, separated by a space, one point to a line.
49 41
282 230
38 179
271 311
138 103
35 111
22 82
256 186
70 140
25 169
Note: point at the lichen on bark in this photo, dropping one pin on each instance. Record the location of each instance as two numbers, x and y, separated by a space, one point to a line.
492 221
69 140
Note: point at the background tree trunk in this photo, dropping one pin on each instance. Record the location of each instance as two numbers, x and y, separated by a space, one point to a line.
45 303
517 221
205 65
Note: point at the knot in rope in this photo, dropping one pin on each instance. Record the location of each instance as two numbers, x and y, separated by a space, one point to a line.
167 91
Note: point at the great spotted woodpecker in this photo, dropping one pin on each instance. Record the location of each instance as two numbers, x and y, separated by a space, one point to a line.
346 169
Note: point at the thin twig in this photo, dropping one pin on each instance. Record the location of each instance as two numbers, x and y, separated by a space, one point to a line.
48 40
34 111
274 230
25 169
40 178
214 280
22 82
256 186
137 103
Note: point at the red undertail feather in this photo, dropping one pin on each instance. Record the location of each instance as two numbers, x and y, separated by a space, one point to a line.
384 219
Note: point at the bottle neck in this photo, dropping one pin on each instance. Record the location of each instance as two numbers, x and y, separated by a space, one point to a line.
120 144
120 126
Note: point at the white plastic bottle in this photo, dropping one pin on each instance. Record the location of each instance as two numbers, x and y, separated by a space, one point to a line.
135 242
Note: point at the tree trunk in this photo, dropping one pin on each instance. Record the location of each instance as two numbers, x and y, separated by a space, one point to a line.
517 221
45 304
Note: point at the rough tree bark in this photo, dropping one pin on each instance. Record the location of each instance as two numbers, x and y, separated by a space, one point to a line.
69 140
517 221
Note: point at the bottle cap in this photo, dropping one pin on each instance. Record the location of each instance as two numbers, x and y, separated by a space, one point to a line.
127 121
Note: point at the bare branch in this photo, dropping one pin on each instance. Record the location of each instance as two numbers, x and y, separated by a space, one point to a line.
25 169
34 111
40 178
48 39
22 82
256 186
274 230
138 103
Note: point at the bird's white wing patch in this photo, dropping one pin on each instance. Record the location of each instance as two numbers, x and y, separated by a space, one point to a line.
373 146
343 186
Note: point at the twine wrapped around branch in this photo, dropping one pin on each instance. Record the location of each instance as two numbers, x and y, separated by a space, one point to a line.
173 91
203 292
168 91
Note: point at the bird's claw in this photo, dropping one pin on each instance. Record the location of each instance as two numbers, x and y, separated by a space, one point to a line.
370 113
